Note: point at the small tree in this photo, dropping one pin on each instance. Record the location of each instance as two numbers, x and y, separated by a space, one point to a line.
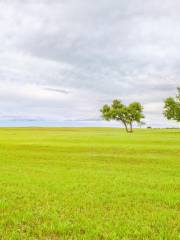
125 114
172 107
141 123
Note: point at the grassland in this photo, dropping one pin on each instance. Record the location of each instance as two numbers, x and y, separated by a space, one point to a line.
89 183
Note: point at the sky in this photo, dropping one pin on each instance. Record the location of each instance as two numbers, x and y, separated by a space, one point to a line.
61 60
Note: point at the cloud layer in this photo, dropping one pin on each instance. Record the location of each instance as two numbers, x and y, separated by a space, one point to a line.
62 60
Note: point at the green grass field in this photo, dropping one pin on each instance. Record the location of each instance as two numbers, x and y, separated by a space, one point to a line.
89 183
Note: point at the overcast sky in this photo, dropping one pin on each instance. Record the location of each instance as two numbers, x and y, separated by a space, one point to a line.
64 59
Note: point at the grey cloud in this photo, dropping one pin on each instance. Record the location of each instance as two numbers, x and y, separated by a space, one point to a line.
57 90
104 49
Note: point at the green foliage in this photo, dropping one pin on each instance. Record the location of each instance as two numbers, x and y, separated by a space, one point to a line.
172 107
89 184
126 114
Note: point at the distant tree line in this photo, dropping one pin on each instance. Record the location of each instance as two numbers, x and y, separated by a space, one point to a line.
133 113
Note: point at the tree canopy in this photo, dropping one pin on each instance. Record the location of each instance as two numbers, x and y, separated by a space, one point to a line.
172 107
125 114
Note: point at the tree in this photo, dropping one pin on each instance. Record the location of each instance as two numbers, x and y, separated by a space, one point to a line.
172 107
141 123
125 114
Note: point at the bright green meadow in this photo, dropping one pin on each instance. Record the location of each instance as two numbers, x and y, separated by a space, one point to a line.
89 183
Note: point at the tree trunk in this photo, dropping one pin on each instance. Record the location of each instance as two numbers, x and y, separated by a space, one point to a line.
131 127
126 127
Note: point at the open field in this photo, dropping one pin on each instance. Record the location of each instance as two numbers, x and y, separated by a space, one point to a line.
89 183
